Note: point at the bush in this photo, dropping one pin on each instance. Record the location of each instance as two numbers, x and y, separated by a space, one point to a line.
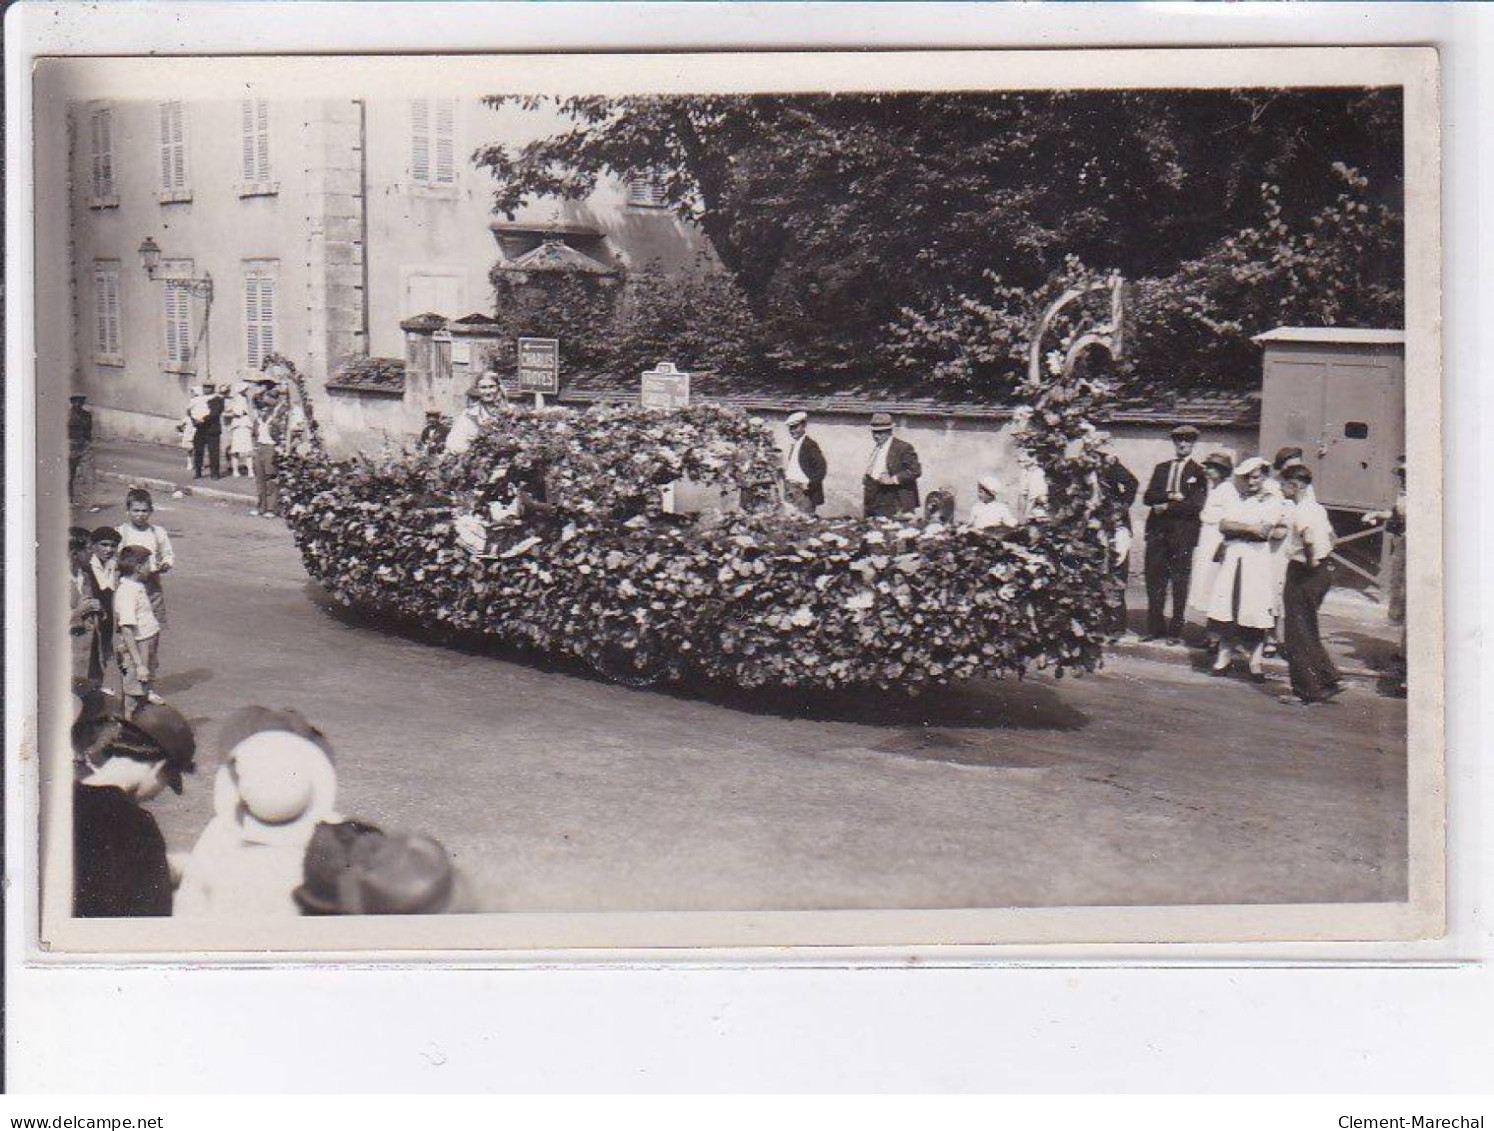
594 572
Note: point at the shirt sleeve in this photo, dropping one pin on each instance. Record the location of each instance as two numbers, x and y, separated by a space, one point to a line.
124 606
163 547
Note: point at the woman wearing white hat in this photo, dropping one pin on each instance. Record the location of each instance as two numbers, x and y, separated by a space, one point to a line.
1219 467
990 511
1245 587
238 418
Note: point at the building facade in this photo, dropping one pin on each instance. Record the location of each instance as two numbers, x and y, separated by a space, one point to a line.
309 228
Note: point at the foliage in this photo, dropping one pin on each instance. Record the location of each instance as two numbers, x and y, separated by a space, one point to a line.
576 308
696 318
780 599
886 231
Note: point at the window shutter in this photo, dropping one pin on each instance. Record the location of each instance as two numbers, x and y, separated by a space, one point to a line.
106 153
262 138
266 317
420 134
111 313
251 321
96 124
100 313
445 141
246 127
165 147
179 148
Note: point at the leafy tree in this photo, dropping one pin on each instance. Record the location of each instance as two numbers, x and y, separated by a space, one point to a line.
864 231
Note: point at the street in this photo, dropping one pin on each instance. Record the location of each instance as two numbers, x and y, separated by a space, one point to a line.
1146 783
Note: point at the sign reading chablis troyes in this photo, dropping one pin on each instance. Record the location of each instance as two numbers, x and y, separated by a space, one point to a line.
539 365
665 387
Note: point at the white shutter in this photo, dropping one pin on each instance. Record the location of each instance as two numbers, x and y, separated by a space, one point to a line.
112 345
259 314
262 138
106 152
420 141
165 147
178 325
266 316
246 128
100 312
251 321
445 139
254 125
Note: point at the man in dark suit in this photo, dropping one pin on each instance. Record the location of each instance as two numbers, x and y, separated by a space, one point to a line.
1176 497
1119 487
890 486
804 469
207 434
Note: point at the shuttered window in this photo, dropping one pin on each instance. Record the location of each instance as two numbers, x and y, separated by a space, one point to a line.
178 299
173 147
433 141
259 312
101 130
255 128
106 340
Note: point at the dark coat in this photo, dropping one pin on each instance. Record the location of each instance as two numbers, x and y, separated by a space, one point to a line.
812 463
1120 488
901 498
119 857
1176 517
213 425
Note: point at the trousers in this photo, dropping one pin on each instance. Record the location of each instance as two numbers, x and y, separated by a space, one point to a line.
266 482
1169 560
1313 673
209 444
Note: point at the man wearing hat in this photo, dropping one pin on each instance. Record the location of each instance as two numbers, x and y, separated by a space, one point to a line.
804 468
1175 498
890 486
433 435
80 477
119 855
207 434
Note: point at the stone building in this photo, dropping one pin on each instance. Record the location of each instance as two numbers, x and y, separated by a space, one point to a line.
311 228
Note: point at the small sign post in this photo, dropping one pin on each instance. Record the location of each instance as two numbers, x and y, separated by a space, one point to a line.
539 367
665 387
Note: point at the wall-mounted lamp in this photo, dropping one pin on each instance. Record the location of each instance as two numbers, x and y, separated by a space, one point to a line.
150 258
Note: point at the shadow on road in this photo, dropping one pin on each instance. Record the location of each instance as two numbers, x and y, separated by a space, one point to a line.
998 704
177 682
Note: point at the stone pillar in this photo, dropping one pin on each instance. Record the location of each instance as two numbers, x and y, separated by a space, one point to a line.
427 365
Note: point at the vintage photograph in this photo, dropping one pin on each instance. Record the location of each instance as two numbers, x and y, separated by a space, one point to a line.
492 492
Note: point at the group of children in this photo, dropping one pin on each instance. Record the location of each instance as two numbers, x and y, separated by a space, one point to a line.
118 606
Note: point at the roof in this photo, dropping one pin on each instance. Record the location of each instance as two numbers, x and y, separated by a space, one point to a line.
1332 335
430 320
376 376
552 255
543 227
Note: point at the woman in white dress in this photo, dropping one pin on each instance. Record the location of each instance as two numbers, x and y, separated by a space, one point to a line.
188 425
1220 468
1245 586
475 417
238 419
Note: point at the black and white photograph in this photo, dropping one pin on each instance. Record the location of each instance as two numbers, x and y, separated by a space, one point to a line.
882 499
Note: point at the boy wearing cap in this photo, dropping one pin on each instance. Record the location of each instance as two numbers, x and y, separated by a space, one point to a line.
1175 496
120 868
804 469
890 485
1308 578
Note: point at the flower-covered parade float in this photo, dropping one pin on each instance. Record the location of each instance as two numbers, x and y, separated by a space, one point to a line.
549 533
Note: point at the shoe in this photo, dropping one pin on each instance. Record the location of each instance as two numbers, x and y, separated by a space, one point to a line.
1295 701
1257 677
152 697
1174 641
253 511
1151 638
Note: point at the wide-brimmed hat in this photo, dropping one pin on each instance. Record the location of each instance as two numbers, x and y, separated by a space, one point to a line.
169 730
1224 460
357 869
1254 463
277 780
881 420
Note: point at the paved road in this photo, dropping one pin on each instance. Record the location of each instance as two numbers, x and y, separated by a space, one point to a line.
1146 783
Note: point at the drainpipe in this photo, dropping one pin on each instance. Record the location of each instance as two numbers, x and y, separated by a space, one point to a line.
363 215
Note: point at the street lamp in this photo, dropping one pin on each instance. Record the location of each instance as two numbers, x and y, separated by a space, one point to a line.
150 258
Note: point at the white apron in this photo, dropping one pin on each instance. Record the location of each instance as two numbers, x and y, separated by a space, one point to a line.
1252 563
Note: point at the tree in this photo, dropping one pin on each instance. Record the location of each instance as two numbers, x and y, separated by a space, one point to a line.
861 228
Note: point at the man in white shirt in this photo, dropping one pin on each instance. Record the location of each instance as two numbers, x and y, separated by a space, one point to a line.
1308 578
804 468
